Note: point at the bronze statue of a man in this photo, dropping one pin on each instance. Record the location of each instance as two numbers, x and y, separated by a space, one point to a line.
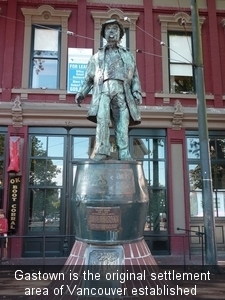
113 75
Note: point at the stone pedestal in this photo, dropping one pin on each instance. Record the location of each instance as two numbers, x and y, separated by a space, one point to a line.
110 201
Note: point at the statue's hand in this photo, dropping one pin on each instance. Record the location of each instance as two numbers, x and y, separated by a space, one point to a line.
79 98
137 97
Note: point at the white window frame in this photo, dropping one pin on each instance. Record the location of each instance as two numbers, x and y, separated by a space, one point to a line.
40 63
45 15
172 23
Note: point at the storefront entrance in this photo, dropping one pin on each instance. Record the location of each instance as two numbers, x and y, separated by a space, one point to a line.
53 155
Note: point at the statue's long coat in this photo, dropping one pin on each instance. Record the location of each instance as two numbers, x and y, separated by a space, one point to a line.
94 79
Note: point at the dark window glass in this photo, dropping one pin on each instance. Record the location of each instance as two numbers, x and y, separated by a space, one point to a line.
180 63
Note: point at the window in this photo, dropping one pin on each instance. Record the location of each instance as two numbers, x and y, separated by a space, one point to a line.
217 155
83 147
177 76
45 58
151 151
45 49
180 63
46 181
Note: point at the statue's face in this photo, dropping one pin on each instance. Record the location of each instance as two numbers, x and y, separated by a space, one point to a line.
112 33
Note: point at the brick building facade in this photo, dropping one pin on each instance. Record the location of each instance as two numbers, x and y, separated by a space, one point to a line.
51 133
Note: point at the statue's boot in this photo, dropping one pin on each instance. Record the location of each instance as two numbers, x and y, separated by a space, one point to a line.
124 154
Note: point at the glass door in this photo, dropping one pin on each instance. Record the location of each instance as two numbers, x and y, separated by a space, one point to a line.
46 195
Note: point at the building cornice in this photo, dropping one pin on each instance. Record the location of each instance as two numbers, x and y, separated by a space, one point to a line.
63 114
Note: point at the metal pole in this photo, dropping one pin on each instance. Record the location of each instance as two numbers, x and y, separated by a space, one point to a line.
202 250
207 191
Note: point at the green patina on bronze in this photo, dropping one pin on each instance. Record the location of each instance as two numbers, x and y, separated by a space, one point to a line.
109 202
116 92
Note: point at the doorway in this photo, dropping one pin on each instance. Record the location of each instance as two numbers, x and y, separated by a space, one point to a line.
52 161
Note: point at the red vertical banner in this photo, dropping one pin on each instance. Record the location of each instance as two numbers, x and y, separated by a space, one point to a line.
14 154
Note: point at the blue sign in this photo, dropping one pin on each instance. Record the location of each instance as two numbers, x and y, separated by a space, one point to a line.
76 73
78 59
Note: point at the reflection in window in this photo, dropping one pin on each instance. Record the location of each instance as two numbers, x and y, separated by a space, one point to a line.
218 175
45 182
195 180
44 212
45 58
46 172
193 148
216 149
151 151
180 63
157 218
55 146
38 146
83 147
149 148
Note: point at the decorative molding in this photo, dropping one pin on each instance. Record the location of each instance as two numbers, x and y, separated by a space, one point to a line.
223 22
177 115
178 21
17 113
45 12
102 16
70 115
62 97
24 93
181 96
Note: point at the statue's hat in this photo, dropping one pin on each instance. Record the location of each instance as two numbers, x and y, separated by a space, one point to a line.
109 22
